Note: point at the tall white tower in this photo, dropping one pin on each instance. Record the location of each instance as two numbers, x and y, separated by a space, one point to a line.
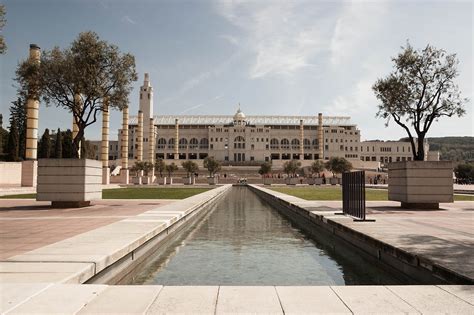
146 106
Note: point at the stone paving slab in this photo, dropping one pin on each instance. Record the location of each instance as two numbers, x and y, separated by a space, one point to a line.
432 299
370 299
12 294
248 300
465 292
155 299
310 299
60 299
123 300
38 272
185 300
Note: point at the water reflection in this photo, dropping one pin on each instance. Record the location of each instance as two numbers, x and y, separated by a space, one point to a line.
243 241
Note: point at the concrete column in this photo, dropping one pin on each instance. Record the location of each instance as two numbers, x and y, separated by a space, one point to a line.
301 140
151 148
140 136
105 144
32 107
176 139
75 127
320 137
124 173
29 168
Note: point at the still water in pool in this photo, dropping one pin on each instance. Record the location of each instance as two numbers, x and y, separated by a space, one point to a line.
244 241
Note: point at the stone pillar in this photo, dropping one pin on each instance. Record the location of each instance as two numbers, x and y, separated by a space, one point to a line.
320 137
29 168
32 107
301 140
105 144
176 139
140 136
75 127
124 172
151 148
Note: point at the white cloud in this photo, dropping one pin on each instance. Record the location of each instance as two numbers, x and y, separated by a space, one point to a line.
283 36
128 19
357 22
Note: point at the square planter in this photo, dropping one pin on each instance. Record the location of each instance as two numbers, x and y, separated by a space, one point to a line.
69 182
268 181
137 180
292 180
146 180
334 181
189 180
420 184
317 181
212 180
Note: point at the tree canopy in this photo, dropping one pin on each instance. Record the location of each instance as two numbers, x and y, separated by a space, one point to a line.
291 167
317 167
419 91
190 167
3 21
265 168
171 168
86 78
212 165
160 166
338 165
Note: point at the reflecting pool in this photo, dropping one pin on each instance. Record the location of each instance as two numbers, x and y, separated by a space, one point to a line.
242 240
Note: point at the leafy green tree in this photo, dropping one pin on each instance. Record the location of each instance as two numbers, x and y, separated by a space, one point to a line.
12 148
291 167
3 139
190 167
419 91
147 167
464 173
67 146
265 168
87 150
58 145
171 168
160 166
212 165
137 168
44 150
338 165
3 21
82 79
317 167
18 114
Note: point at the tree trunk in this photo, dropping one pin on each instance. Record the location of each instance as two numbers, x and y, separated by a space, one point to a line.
420 155
76 142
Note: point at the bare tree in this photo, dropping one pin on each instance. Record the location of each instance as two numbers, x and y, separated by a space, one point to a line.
419 91
86 78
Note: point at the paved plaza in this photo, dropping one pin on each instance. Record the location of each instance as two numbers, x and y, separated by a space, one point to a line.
27 224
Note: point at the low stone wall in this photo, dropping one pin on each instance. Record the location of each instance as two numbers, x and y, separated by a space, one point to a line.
10 173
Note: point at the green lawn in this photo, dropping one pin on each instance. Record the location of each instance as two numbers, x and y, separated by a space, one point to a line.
22 196
151 193
335 193
136 193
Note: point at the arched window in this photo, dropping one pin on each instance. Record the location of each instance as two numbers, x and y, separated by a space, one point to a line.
307 144
274 144
161 143
171 143
315 144
285 144
204 144
239 142
193 143
183 143
295 144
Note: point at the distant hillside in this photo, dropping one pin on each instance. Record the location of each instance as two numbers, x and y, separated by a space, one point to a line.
453 148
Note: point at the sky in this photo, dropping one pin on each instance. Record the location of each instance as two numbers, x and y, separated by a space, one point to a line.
273 57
